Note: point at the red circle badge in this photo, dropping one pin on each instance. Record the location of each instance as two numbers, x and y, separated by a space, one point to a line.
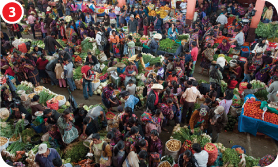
12 12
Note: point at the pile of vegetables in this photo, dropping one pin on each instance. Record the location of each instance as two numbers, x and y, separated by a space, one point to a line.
75 151
138 42
26 86
262 93
220 39
231 156
168 158
44 96
6 129
183 134
166 44
27 134
16 146
224 86
237 103
182 37
77 73
61 42
99 88
149 58
231 123
267 30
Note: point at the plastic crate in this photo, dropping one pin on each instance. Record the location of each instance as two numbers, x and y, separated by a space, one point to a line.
245 54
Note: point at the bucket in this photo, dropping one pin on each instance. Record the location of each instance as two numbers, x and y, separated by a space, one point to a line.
38 129
174 154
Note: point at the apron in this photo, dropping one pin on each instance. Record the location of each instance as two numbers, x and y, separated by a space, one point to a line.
97 149
70 134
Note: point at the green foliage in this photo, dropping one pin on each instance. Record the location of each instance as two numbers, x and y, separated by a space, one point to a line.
182 37
231 156
19 127
44 96
86 45
60 111
77 152
29 132
267 30
6 129
77 73
61 42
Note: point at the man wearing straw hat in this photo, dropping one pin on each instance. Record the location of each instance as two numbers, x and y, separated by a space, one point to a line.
153 97
31 20
154 43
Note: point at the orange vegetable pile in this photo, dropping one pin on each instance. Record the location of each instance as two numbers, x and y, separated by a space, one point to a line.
252 109
245 49
77 59
85 163
220 39
239 150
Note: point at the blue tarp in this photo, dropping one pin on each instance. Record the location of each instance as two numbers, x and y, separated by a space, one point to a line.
252 125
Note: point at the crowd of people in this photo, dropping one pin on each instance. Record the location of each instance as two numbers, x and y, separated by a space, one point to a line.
170 94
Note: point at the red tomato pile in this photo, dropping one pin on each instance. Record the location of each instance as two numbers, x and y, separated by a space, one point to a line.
245 49
252 109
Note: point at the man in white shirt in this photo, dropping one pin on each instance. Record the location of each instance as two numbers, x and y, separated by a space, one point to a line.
222 18
117 12
98 38
200 155
239 38
183 6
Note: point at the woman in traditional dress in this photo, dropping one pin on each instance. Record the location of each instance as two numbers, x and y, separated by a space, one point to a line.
107 95
131 47
30 72
194 37
130 72
65 124
70 34
207 58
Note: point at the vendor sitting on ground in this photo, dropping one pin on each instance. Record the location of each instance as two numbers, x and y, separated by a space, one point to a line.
130 72
18 111
35 105
65 124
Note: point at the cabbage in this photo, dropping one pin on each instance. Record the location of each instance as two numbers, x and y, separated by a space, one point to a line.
86 107
95 92
98 91
99 87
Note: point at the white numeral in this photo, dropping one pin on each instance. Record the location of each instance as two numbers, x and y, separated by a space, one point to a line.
12 10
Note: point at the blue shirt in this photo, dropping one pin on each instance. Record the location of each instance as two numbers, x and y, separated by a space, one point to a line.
131 101
47 161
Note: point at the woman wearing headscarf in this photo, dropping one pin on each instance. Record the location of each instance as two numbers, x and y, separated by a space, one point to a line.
199 118
65 124
70 34
30 72
207 58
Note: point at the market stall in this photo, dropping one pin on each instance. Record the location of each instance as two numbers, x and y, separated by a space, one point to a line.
252 119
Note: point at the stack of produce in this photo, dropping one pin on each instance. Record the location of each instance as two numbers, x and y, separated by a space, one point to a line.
183 134
230 156
26 86
252 109
75 151
168 45
262 93
231 123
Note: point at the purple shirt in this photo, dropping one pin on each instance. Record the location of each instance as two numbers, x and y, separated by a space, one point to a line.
47 161
224 48
112 15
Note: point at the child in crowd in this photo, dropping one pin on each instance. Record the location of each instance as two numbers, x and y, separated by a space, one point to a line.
232 82
131 87
151 28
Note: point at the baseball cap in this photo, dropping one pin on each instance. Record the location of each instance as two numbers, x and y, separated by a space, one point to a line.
132 15
42 148
219 109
